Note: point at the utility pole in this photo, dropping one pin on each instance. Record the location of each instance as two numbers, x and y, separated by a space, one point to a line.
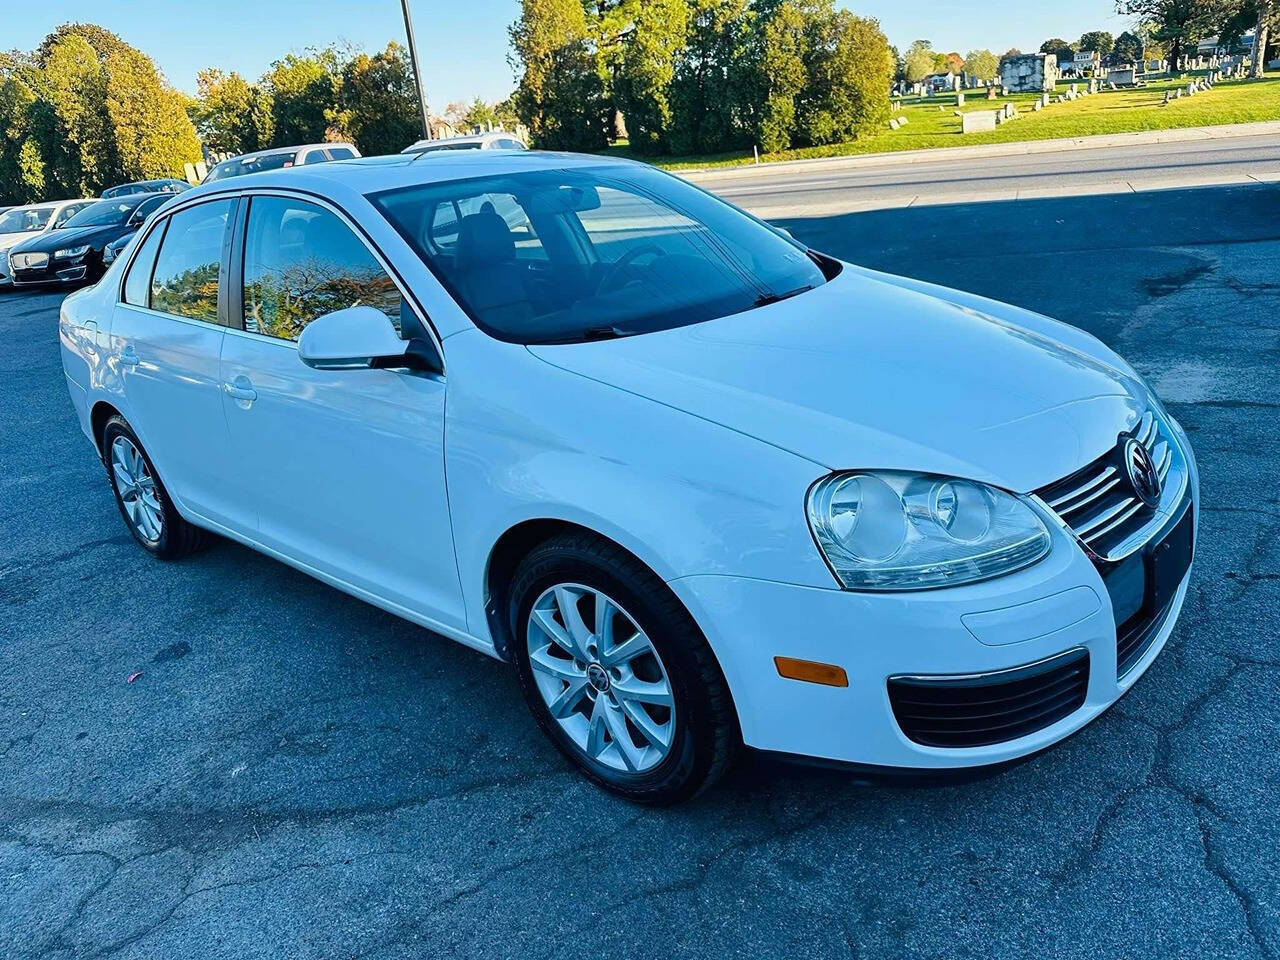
417 73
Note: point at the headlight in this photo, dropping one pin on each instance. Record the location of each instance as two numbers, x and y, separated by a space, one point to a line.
68 253
912 531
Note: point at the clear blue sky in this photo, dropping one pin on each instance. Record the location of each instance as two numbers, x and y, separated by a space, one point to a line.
463 43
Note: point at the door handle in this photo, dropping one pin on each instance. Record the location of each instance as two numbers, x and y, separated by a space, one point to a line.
129 357
240 389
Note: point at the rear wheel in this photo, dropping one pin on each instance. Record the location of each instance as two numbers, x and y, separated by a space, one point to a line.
144 503
616 672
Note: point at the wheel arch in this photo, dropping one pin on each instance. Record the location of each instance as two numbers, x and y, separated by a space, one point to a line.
101 412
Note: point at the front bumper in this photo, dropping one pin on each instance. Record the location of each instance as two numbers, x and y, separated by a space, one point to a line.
55 271
1058 606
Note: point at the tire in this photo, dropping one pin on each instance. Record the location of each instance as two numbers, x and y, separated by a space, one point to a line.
700 729
172 537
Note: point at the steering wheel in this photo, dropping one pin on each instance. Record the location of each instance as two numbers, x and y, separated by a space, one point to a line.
625 261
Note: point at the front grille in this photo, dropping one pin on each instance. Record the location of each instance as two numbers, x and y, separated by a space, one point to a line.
979 710
1098 502
1135 635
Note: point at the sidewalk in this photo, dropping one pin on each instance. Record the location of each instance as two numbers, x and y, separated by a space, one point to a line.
1022 148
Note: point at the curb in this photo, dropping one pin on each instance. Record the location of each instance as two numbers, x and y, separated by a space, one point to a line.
1022 148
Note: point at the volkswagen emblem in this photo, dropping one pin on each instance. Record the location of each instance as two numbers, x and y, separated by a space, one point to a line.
1143 476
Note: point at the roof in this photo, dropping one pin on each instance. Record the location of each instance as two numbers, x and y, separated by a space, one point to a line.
372 174
463 138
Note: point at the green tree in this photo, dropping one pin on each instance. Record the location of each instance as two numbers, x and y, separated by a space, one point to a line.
1128 48
22 159
1098 40
83 153
655 37
712 91
380 101
304 97
154 137
1059 47
1177 23
918 62
782 67
560 96
231 114
848 70
983 64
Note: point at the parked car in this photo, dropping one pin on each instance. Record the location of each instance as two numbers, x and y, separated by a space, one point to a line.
23 223
163 185
280 158
136 219
497 140
700 485
76 253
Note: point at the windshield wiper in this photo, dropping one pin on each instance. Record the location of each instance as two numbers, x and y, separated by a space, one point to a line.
768 298
604 333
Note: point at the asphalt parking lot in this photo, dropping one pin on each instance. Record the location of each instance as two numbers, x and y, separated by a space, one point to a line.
298 774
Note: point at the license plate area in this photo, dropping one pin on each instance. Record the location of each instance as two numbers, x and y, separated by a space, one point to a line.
1142 588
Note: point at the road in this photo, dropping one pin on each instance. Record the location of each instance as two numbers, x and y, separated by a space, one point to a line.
297 774
866 183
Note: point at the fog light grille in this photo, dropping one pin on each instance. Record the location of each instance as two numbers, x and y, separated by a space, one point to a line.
982 709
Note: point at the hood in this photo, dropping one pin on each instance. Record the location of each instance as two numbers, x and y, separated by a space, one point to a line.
76 236
8 240
861 373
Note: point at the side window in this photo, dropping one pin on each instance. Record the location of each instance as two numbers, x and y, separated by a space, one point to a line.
186 276
69 211
138 283
315 156
341 153
301 262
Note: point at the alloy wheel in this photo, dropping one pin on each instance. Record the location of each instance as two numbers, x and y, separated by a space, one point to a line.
601 678
136 488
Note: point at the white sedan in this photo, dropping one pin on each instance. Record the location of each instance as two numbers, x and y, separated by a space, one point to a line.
701 486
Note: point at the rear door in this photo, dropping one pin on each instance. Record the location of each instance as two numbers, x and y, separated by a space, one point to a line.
166 336
346 466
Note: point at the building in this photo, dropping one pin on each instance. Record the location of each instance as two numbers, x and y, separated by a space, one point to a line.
1211 47
1029 72
1085 63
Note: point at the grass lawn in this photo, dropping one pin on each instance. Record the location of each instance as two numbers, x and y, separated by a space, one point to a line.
1109 111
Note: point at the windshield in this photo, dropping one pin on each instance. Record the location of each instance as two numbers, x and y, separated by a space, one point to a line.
104 213
240 166
553 256
25 219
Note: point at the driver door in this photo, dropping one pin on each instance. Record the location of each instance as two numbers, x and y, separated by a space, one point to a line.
345 468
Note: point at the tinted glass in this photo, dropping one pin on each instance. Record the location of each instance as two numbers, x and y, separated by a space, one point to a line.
137 285
186 275
239 167
342 153
146 208
301 262
25 219
104 213
68 212
315 156
547 256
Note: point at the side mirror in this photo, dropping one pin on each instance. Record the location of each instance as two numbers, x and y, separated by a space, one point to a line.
361 338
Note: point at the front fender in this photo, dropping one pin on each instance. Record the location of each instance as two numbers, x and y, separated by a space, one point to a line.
525 440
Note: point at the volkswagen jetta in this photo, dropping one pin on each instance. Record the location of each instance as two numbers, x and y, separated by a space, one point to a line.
699 485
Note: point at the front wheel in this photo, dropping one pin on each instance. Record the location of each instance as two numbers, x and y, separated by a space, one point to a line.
145 505
617 673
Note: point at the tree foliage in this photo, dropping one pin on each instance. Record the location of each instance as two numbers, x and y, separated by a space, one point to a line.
1178 24
379 101
86 111
1129 48
560 94
918 62
1060 48
1099 41
983 64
